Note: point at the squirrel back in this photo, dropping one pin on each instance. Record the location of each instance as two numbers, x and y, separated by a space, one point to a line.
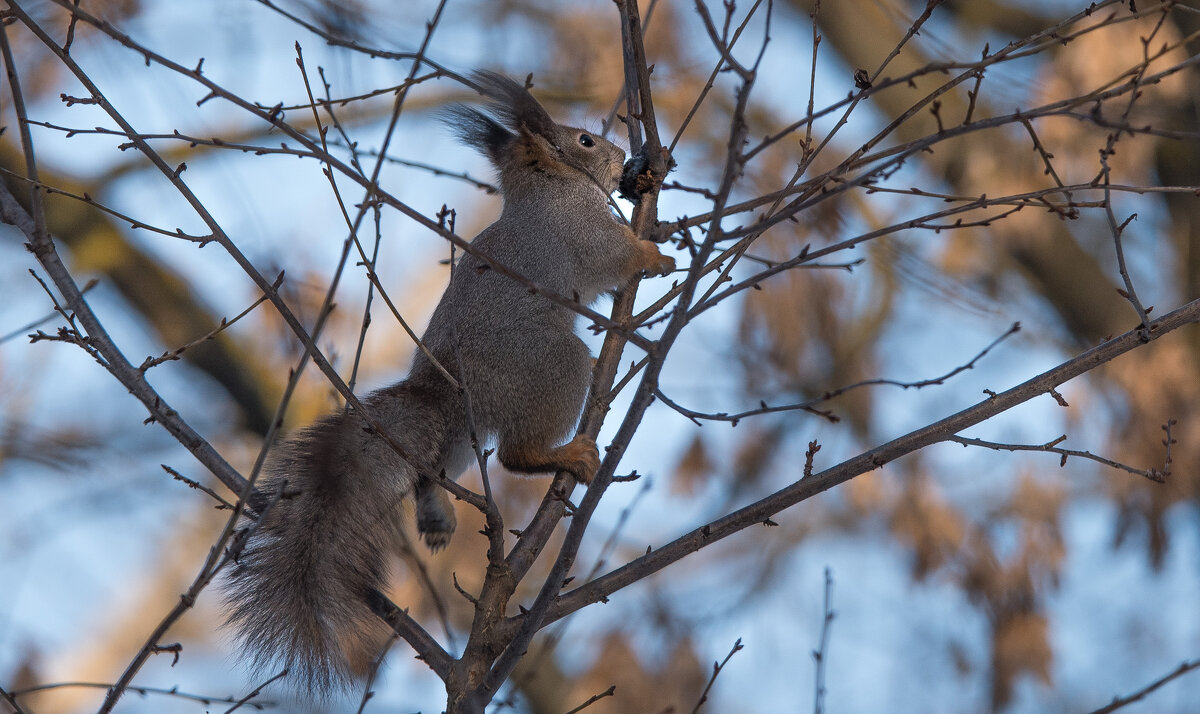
300 589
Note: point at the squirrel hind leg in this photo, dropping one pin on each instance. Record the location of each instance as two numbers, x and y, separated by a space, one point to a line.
579 457
435 515
435 509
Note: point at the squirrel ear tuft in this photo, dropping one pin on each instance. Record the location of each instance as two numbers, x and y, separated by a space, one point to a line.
513 103
477 130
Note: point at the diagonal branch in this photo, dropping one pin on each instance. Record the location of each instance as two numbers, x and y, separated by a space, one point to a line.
758 512
1122 702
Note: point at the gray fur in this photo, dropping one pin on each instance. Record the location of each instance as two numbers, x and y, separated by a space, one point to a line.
298 594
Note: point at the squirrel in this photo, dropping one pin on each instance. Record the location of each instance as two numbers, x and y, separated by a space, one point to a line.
298 591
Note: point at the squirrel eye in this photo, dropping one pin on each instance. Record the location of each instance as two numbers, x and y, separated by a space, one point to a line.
587 140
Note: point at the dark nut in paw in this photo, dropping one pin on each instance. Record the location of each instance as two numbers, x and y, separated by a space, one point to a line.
639 177
636 179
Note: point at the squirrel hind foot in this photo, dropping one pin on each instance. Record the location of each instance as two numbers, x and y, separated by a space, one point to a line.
436 540
583 457
579 457
435 516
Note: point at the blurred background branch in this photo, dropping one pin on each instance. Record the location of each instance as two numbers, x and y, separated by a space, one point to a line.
950 166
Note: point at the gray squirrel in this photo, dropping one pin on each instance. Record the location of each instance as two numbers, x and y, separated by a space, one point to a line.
298 593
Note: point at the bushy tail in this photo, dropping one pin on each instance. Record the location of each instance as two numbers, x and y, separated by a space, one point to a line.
298 591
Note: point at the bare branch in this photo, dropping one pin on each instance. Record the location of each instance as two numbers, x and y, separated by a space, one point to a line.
810 406
717 667
12 701
254 693
942 430
172 692
1051 447
595 698
225 324
711 79
820 655
222 503
1121 702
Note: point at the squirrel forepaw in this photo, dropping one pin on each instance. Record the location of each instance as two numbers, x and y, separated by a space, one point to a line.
665 265
653 263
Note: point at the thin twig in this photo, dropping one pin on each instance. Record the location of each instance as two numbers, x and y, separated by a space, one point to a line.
417 566
595 698
1051 447
1120 702
717 667
376 665
712 77
210 335
222 503
254 693
172 692
24 329
810 406
820 655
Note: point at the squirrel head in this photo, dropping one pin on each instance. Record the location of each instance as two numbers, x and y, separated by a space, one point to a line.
525 145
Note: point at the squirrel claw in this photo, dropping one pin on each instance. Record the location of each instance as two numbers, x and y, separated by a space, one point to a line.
583 458
664 266
436 540
435 519
655 263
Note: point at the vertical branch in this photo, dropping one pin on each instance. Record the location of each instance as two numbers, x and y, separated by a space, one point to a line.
531 621
624 93
819 654
640 116
806 146
368 203
1129 293
38 211
639 103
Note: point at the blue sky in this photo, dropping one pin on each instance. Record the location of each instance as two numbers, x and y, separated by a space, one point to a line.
75 549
